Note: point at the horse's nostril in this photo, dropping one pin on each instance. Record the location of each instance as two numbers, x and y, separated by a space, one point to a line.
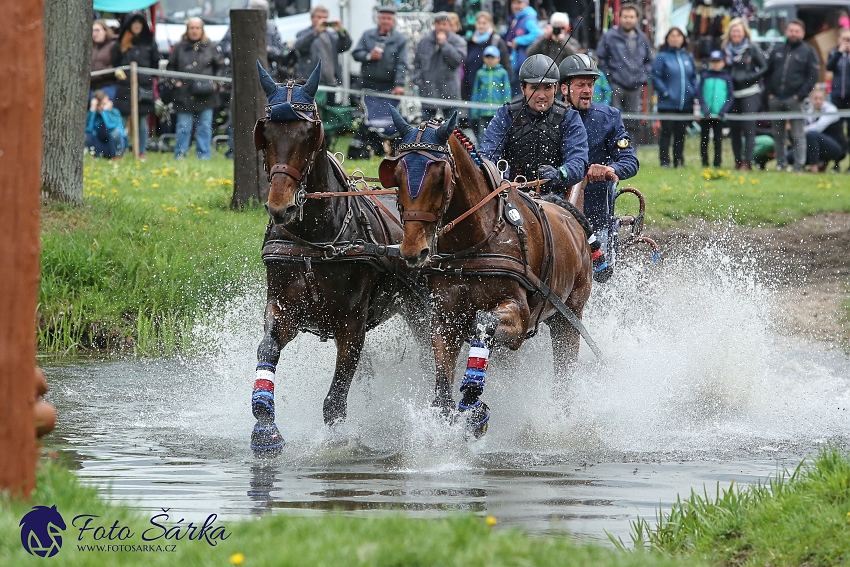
423 254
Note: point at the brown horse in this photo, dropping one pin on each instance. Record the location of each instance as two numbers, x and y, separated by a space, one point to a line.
484 268
327 263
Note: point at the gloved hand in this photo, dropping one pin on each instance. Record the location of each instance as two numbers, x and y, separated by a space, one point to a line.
554 175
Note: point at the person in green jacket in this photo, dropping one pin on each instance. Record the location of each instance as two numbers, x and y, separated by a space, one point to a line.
492 85
105 135
715 95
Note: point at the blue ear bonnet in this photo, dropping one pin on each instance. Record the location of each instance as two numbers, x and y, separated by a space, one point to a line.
415 165
285 106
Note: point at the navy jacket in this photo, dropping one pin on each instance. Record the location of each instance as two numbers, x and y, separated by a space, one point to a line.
622 66
674 76
573 144
839 64
607 140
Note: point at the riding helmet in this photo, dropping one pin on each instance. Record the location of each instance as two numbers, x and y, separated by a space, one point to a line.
539 69
579 65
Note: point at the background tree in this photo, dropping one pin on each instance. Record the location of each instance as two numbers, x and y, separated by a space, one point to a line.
67 50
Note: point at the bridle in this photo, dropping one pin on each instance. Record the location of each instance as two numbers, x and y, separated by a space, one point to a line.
303 111
388 165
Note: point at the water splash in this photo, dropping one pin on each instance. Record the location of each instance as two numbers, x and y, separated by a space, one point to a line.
695 368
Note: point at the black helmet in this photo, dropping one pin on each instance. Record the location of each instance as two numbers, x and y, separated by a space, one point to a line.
538 69
579 65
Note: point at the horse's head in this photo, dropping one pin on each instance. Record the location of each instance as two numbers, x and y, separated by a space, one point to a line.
291 135
423 173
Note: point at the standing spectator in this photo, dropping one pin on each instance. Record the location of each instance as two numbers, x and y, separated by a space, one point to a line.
523 30
492 85
483 36
715 99
601 88
274 45
382 52
436 65
555 42
839 63
194 99
274 52
103 40
104 131
625 57
747 66
825 141
792 71
324 39
674 77
135 43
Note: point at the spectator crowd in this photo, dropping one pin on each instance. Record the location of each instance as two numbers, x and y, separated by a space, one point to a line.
466 56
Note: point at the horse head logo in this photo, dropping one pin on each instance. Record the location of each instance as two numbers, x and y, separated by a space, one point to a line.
41 531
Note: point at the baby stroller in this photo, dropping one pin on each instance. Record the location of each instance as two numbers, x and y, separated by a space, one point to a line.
376 128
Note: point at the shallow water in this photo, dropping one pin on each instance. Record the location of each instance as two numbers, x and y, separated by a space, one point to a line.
698 387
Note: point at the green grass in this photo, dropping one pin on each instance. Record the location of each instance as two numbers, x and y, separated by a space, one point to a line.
757 198
800 518
331 539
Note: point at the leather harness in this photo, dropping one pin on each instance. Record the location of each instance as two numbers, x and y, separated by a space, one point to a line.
365 247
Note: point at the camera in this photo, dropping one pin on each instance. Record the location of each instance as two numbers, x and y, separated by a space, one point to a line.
557 30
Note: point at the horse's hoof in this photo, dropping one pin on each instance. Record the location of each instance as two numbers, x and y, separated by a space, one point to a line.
444 406
266 441
477 418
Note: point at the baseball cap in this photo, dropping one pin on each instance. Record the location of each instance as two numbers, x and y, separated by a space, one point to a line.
492 51
386 9
716 56
441 16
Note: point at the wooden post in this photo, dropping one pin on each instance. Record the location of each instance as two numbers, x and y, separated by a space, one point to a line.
21 103
575 194
247 104
134 106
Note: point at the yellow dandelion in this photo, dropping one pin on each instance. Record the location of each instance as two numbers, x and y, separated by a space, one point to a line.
154 184
145 227
492 521
237 558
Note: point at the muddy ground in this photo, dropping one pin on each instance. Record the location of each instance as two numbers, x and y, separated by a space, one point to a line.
808 263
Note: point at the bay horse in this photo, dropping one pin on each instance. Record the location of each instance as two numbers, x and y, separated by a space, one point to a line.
496 260
327 264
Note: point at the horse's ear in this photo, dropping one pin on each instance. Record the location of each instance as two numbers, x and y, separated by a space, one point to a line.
266 81
400 123
311 87
447 128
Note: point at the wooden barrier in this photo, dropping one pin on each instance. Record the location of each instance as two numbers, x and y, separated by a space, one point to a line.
21 102
247 104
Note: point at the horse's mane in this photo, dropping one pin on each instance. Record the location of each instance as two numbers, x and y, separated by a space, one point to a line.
470 147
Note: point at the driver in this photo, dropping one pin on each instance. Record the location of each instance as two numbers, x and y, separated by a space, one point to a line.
612 156
539 137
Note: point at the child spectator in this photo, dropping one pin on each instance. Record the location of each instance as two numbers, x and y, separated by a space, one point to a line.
492 85
715 95
104 129
601 88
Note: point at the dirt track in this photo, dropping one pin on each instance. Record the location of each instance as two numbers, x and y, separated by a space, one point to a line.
809 261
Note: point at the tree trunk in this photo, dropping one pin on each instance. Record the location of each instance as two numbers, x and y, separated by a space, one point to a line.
247 104
67 50
21 95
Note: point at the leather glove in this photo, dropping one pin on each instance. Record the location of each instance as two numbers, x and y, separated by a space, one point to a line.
555 176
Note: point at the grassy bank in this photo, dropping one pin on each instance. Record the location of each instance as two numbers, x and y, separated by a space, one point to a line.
279 540
800 518
153 245
156 243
